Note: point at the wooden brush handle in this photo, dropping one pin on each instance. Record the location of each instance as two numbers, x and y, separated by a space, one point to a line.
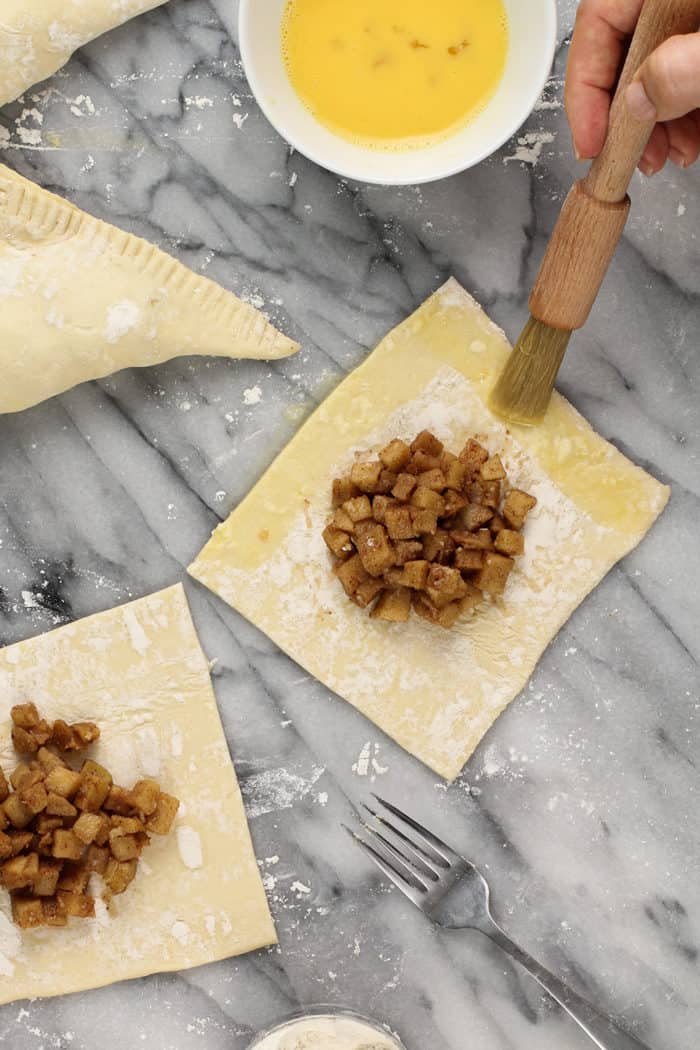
595 212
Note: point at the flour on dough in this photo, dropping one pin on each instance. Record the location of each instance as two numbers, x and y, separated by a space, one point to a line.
435 692
139 672
37 37
80 299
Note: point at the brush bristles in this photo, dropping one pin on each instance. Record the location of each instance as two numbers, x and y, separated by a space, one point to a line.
525 386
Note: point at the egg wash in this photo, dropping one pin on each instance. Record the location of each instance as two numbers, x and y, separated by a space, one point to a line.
395 73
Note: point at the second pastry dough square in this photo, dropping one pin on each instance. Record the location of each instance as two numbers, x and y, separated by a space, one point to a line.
435 692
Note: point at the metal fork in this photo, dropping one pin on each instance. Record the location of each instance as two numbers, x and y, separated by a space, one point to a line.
455 895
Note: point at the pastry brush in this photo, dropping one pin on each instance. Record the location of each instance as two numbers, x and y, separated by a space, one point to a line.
587 232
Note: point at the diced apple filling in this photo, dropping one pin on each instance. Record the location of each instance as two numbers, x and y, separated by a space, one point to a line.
58 825
421 528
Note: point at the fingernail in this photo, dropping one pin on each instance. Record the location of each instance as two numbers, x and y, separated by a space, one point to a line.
677 157
638 102
646 168
577 151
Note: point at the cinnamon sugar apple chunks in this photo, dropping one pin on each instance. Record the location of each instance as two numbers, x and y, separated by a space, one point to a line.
422 528
59 825
30 732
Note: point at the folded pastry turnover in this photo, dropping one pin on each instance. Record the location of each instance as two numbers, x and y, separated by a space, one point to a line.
37 37
80 299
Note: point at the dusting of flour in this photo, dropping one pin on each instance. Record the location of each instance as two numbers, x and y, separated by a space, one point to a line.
122 318
10 944
530 146
189 845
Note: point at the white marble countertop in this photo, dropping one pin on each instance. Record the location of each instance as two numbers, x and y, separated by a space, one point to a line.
582 802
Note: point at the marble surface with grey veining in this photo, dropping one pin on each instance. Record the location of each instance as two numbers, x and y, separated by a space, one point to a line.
581 805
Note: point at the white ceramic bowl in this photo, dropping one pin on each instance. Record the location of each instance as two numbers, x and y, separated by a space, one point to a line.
533 25
295 1025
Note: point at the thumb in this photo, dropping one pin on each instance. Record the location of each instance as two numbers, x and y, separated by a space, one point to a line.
668 84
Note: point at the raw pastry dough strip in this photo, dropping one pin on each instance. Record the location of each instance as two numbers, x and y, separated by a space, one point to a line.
433 691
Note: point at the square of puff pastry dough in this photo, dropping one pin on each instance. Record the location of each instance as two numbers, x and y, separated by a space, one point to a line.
435 692
80 299
139 672
37 37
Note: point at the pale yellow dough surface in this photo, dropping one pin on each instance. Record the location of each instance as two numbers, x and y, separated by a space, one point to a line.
435 692
37 37
139 672
80 299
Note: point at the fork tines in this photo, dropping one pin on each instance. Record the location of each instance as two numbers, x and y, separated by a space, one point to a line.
412 857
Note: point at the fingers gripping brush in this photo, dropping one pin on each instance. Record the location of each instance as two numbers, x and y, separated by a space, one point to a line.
587 233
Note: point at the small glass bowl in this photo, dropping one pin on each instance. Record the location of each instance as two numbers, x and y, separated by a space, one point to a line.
323 1011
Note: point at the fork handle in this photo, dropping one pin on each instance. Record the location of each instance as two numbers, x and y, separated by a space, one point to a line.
600 1029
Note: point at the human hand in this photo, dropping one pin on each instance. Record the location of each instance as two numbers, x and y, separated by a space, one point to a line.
666 88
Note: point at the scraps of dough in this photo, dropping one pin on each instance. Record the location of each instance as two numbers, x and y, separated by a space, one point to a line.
436 692
80 299
37 37
139 672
